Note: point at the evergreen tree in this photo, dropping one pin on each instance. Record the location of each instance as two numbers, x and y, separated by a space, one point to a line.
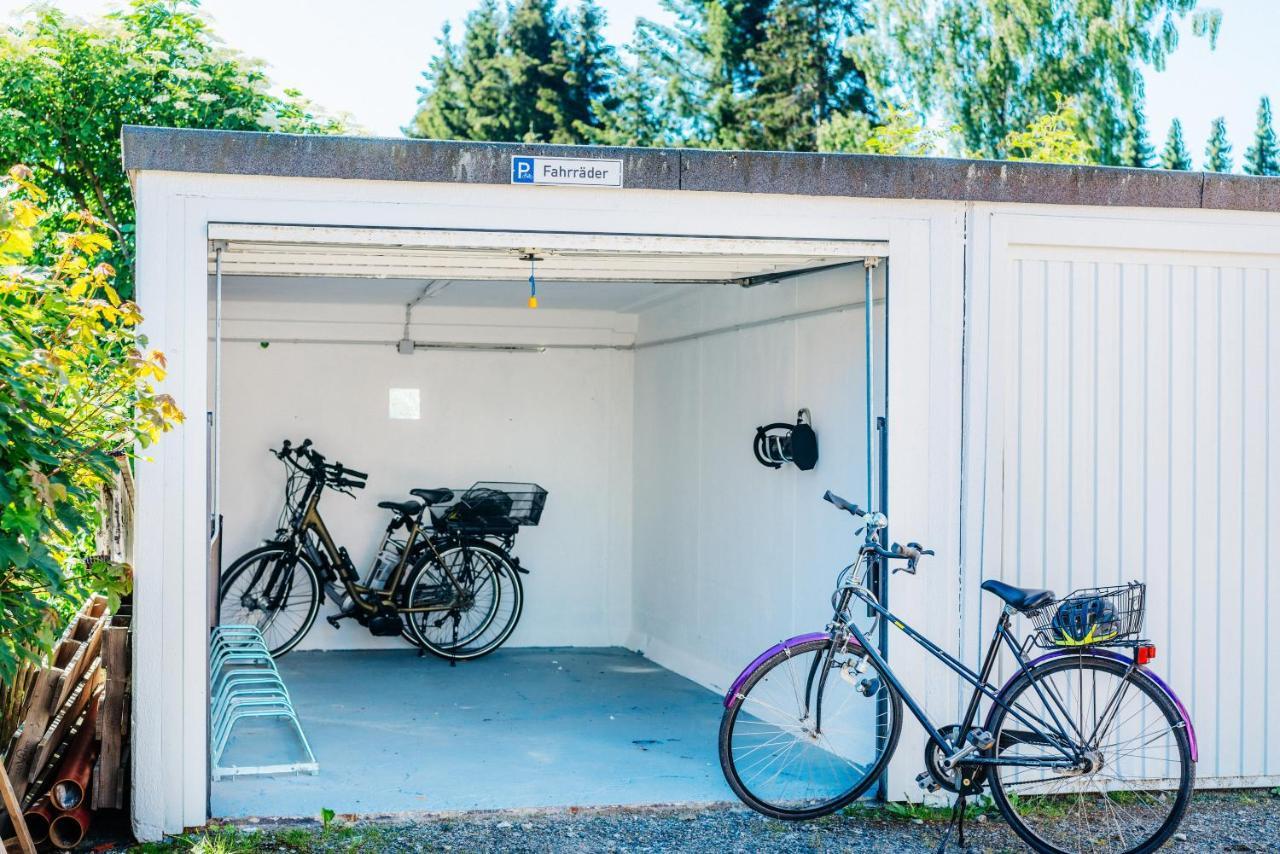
1263 157
588 81
804 74
702 63
1136 148
441 101
536 64
1175 154
1218 150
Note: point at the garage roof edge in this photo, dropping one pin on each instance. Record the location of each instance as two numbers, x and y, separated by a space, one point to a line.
853 175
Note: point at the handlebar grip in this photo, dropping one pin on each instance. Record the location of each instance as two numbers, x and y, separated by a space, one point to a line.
344 482
352 472
847 506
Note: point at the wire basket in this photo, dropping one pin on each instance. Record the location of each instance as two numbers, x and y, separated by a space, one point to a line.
1098 616
492 507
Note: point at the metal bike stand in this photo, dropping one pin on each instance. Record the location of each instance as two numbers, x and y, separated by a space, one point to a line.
244 683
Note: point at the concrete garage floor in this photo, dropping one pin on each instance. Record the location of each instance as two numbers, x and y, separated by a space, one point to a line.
519 728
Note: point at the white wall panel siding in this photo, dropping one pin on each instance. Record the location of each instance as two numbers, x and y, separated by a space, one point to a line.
1119 425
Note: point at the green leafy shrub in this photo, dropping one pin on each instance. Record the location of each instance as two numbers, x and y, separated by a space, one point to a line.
76 393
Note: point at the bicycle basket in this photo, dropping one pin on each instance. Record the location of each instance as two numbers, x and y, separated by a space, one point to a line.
489 507
1099 616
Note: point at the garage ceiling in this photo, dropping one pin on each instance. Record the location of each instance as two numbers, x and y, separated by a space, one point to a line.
505 256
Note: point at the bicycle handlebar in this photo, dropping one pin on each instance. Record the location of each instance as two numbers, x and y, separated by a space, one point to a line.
847 506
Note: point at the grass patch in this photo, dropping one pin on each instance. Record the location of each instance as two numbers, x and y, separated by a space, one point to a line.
904 811
332 837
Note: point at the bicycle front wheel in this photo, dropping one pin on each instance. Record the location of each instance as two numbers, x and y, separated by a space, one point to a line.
1131 786
276 591
809 731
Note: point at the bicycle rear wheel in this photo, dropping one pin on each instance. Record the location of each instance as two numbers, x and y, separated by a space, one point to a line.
276 591
1131 790
776 754
480 600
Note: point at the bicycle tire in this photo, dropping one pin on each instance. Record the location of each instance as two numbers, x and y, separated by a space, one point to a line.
247 562
1106 799
467 649
732 715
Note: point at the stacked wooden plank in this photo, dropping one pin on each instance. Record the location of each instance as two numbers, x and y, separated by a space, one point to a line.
113 718
83 684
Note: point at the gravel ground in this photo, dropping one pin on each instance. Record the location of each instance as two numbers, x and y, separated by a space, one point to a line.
1238 821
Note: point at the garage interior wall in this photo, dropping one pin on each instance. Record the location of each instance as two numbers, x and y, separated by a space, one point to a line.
651 538
560 418
731 556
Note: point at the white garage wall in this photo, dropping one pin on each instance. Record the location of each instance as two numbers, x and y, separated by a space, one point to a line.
730 557
560 418
1123 416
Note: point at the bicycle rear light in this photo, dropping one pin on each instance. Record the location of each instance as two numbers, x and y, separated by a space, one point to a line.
1145 653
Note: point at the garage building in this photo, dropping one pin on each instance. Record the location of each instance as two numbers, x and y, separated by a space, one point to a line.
1073 366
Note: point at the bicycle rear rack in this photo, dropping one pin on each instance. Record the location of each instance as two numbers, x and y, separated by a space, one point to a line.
244 683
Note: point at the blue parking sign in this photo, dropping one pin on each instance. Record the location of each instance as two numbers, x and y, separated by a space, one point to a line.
522 170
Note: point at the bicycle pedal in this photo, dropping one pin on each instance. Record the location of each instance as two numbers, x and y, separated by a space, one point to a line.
981 739
926 782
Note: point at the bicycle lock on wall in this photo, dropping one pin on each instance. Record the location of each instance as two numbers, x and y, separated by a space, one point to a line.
780 443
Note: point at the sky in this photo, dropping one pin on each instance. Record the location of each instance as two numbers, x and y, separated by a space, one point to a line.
366 58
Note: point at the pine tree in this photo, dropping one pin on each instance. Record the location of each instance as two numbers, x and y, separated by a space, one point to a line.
1263 157
536 64
804 74
1136 150
441 112
590 61
701 63
483 89
1218 150
1175 154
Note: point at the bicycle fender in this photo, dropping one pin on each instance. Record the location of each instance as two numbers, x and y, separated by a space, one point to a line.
731 696
1123 659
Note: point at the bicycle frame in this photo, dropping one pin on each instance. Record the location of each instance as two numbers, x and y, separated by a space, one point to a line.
333 559
1053 734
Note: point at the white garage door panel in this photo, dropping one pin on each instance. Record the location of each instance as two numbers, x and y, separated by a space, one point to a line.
1135 434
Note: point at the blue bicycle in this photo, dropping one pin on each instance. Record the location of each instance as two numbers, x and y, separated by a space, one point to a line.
1082 749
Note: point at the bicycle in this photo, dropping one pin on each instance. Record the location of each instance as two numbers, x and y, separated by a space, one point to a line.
1083 748
417 584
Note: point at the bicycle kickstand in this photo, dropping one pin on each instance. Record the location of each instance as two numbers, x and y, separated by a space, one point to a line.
957 823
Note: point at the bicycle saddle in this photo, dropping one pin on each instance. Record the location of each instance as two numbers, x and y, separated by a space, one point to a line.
433 496
407 508
1021 598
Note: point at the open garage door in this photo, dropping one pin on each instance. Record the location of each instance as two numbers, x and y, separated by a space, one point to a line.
632 395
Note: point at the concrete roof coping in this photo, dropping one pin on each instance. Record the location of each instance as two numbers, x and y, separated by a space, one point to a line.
792 173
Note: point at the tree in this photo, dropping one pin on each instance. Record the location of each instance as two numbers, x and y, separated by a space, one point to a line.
1051 138
1263 157
535 75
1217 151
897 132
804 75
1136 148
536 64
702 63
67 87
1175 154
991 67
442 110
591 64
76 391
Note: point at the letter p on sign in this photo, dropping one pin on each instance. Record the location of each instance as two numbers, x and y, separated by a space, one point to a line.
522 170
